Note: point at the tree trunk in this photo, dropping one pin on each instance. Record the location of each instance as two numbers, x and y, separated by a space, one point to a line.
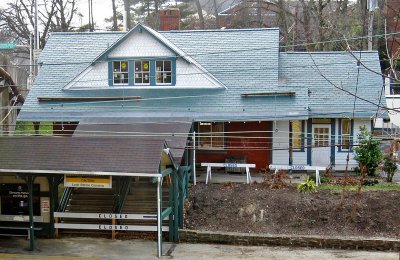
114 17
217 25
200 13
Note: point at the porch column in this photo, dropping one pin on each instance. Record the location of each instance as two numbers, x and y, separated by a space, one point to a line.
30 181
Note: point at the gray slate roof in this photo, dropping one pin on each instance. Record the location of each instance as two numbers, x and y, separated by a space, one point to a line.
245 61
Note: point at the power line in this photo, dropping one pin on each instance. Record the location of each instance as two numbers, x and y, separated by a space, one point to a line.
232 51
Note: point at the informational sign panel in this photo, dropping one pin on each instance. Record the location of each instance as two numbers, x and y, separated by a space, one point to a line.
14 199
95 182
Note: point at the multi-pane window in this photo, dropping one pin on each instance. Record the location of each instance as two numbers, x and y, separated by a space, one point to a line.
120 72
297 134
321 137
211 135
163 72
142 72
346 134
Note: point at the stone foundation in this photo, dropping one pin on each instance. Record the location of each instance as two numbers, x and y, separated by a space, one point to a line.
381 244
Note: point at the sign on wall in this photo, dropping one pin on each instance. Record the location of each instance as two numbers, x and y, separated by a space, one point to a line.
97 182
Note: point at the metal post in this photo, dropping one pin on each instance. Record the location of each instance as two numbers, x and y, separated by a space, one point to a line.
176 206
52 184
159 220
31 224
194 157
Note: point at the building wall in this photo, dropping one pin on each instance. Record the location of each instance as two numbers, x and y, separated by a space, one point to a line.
256 150
280 154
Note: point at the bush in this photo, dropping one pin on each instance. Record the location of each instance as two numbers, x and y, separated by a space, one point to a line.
370 182
390 167
323 179
308 186
368 152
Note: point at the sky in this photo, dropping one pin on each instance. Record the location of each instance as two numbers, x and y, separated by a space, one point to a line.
101 10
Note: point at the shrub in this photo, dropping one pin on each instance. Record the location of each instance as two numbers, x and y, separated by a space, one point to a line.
390 167
324 179
308 186
370 182
368 152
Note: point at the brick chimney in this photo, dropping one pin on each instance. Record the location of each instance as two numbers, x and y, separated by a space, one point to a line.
170 19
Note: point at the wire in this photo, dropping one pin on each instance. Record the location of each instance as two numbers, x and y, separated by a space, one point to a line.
229 51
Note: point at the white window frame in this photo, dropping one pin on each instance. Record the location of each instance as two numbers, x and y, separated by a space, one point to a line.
162 72
141 72
120 72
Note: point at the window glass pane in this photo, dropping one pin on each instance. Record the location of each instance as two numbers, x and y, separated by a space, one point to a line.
116 66
296 134
138 66
146 66
204 134
217 134
167 65
159 65
146 77
211 134
346 125
124 66
167 77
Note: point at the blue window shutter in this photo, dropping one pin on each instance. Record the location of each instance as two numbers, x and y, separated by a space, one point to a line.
173 76
131 73
309 140
351 134
340 135
110 73
333 135
152 72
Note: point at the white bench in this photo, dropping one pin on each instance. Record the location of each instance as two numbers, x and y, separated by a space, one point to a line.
232 165
300 168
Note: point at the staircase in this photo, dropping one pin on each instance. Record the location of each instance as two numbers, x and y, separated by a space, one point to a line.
141 199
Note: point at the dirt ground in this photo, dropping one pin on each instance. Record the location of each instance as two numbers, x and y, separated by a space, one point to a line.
258 209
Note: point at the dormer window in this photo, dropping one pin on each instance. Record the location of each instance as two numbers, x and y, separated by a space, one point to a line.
142 72
163 72
120 72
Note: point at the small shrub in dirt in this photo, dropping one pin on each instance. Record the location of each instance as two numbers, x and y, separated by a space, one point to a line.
370 182
324 179
390 167
276 181
368 151
307 187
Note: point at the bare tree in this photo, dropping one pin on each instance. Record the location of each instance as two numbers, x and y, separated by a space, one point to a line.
55 15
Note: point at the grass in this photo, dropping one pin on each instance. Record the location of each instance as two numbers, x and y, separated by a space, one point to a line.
26 128
380 186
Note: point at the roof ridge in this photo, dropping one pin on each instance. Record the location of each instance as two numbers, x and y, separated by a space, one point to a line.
220 30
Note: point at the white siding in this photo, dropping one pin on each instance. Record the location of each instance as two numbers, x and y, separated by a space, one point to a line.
140 45
300 158
280 143
95 76
340 157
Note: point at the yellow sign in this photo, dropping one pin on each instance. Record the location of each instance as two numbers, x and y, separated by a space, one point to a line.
123 65
96 182
145 66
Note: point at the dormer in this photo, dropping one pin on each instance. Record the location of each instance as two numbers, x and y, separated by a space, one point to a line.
144 59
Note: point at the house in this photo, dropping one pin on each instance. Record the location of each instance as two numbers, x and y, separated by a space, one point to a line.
245 97
392 88
149 94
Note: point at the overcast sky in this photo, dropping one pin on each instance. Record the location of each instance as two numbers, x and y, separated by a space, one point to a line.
101 10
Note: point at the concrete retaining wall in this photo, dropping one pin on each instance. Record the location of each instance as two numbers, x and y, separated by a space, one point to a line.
382 244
